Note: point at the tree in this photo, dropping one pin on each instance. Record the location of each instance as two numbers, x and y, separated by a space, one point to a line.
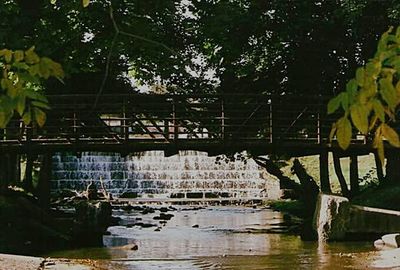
371 98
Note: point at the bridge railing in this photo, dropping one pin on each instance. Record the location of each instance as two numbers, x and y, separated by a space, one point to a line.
170 118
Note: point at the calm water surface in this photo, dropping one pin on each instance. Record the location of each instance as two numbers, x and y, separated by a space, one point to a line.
221 241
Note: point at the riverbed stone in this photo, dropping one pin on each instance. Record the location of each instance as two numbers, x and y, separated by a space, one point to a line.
391 240
331 217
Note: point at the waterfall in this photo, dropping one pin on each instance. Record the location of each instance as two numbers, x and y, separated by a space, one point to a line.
152 174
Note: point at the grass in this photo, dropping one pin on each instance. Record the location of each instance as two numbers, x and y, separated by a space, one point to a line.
366 165
293 207
385 196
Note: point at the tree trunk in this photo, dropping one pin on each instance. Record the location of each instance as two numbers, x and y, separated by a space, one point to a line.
340 176
43 188
379 168
3 173
284 181
392 166
354 178
13 169
27 183
309 187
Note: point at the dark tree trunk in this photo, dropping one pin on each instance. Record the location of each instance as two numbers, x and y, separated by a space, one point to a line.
309 187
379 168
13 169
3 173
354 178
340 176
27 183
43 188
324 172
9 170
392 166
307 191
270 166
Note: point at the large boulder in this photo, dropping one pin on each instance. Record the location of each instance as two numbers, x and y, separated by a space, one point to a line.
331 217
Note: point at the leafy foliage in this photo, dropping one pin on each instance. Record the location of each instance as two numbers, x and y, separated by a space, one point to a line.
21 91
371 98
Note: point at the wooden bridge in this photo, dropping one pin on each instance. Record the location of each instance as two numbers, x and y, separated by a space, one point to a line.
297 125
262 124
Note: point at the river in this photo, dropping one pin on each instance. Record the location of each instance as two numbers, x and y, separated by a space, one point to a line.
219 238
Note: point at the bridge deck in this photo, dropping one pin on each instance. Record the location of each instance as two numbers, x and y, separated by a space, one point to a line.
212 123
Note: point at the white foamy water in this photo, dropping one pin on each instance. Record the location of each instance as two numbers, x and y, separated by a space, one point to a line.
152 174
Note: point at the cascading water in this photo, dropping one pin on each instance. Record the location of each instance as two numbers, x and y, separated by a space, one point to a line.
152 174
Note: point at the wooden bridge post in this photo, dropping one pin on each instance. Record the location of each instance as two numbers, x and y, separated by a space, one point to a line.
124 124
271 115
174 122
222 118
324 171
354 184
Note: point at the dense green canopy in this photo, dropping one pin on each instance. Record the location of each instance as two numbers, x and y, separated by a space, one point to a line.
201 46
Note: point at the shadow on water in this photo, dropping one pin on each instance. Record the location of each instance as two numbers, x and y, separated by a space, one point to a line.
219 238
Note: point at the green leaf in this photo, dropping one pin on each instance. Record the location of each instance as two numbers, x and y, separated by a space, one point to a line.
85 3
40 116
35 95
360 76
382 44
31 57
352 86
20 104
391 135
20 65
8 56
378 144
5 116
343 132
41 105
332 133
44 69
27 118
3 122
388 93
359 116
378 109
18 56
373 68
334 104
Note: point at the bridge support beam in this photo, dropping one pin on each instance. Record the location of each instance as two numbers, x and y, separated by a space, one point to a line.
354 184
324 171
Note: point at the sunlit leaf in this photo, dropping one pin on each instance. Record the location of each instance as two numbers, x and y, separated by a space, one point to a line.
334 104
31 57
27 118
344 132
391 135
379 110
360 76
85 3
21 104
378 144
333 132
359 116
40 116
388 93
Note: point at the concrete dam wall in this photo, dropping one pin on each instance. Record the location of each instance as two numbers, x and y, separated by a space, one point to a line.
150 174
